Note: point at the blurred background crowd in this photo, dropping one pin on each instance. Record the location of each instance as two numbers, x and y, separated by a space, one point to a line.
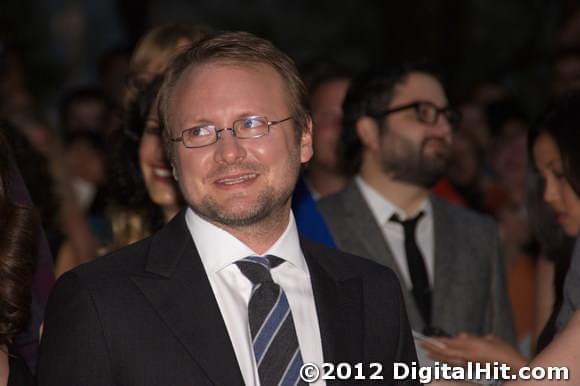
79 79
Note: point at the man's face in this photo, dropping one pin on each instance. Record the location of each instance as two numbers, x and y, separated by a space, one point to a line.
410 150
236 182
326 106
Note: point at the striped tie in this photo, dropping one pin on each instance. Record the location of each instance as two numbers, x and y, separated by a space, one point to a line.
274 338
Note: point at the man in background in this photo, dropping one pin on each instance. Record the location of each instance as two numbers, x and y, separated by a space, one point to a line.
397 132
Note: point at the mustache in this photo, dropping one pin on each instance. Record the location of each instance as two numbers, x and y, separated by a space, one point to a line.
440 140
222 171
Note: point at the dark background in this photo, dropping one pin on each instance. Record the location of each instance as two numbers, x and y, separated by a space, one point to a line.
510 42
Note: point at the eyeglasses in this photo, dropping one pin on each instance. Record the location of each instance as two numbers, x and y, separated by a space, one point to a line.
244 128
428 113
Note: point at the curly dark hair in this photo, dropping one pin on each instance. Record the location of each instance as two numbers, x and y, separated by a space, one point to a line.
369 95
18 251
127 187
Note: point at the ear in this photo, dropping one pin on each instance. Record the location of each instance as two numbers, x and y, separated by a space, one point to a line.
367 130
306 150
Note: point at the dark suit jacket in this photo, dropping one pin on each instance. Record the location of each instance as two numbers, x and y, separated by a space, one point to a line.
146 315
469 293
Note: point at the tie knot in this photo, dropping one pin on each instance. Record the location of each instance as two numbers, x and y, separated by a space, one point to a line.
257 268
408 224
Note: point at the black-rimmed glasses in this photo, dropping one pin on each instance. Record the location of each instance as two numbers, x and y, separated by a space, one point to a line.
243 128
428 113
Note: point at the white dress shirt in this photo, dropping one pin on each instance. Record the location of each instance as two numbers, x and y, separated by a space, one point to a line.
382 210
219 251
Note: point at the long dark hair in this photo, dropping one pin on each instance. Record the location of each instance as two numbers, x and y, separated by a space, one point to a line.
18 251
129 196
560 121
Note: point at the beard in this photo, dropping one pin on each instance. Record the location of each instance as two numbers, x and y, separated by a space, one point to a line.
267 207
268 202
401 159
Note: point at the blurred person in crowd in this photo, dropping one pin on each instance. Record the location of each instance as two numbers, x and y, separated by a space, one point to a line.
473 123
86 116
37 130
563 350
78 164
566 71
396 141
14 94
553 145
85 110
18 253
487 91
465 168
504 192
18 108
155 50
144 192
113 71
142 188
34 165
185 306
323 174
507 154
555 244
31 170
569 28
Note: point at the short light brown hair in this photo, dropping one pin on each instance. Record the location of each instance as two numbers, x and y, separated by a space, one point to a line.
159 42
236 48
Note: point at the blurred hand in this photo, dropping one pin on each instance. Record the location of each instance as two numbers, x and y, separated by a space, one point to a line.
465 348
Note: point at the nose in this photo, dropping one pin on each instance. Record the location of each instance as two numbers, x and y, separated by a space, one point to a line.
443 126
228 148
551 193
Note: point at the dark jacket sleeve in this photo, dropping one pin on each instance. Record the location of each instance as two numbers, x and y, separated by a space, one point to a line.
73 349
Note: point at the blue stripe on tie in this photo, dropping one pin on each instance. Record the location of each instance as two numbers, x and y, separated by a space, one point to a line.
292 373
270 327
272 310
255 288
263 261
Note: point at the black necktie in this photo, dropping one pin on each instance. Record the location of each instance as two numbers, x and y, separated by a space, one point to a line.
417 269
274 337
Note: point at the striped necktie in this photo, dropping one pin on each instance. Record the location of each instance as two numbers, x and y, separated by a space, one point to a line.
274 337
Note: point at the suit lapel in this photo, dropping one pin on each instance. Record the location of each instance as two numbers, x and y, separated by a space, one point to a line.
339 307
363 225
445 264
180 292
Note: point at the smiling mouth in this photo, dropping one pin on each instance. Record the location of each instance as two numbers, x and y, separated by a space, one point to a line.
237 179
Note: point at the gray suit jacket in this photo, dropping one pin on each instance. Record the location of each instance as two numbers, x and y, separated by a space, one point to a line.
469 293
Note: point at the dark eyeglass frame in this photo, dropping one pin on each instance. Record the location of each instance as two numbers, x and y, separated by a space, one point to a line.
452 115
232 129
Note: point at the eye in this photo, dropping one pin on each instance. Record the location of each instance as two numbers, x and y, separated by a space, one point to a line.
251 122
200 131
426 112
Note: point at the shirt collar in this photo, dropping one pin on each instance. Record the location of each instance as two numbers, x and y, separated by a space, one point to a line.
218 249
382 208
